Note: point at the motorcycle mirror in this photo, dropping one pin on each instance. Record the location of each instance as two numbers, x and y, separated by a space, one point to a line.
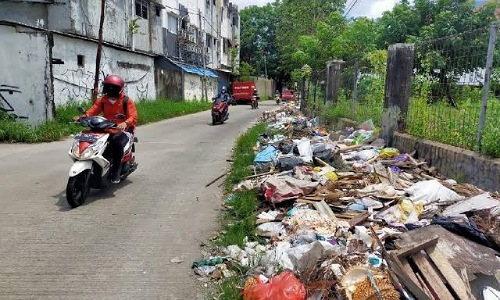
81 110
120 116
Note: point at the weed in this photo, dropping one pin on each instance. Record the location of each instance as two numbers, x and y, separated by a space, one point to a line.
239 222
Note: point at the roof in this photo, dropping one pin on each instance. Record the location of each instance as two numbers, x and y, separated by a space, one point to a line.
196 70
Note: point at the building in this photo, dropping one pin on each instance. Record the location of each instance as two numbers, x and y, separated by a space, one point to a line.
201 48
51 56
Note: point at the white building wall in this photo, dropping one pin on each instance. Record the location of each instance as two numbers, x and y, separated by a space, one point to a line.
25 81
73 82
193 87
83 18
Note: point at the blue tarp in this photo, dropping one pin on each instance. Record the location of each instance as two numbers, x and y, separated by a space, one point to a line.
269 154
197 70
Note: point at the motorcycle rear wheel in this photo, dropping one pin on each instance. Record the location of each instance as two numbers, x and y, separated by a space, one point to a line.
77 189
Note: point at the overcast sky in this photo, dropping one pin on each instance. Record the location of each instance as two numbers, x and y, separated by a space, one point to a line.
368 8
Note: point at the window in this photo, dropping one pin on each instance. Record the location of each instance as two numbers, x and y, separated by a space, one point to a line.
158 11
172 23
141 8
80 59
208 40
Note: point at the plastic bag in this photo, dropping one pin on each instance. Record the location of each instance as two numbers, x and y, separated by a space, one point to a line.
389 152
284 286
464 227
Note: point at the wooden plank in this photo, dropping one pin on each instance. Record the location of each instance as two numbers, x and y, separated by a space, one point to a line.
358 219
421 282
409 250
395 270
448 273
405 265
395 266
431 277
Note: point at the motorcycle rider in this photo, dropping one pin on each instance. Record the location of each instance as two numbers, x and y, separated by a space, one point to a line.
256 94
111 104
224 96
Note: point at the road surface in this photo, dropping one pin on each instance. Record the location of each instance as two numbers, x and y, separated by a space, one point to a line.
120 243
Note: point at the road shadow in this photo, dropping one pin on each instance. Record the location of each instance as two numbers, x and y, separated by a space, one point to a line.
94 195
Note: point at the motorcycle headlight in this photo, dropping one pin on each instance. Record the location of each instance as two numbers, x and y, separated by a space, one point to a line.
88 152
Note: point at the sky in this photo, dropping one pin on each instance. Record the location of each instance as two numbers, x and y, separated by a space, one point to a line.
367 8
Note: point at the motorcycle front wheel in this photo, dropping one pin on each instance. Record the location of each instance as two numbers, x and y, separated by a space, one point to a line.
78 188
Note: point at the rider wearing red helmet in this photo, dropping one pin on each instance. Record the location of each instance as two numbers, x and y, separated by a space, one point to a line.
111 104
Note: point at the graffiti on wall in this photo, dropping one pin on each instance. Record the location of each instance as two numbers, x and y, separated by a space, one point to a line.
78 84
5 105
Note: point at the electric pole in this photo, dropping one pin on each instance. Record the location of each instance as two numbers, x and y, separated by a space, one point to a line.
99 51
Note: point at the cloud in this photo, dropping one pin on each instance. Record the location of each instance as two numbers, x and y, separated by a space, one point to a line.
367 8
244 3
371 8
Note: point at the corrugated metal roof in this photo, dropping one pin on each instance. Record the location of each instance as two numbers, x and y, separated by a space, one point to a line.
197 70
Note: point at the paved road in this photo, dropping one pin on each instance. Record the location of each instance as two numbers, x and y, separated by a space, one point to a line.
118 245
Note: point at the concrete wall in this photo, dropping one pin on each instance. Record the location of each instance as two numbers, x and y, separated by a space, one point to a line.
25 80
32 14
460 164
265 87
73 82
193 87
168 84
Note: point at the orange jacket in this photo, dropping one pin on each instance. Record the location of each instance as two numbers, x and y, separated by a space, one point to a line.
111 110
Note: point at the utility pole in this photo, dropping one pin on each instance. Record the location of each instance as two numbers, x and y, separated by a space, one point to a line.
99 51
202 43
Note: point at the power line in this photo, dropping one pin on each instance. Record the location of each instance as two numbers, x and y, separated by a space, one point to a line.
349 10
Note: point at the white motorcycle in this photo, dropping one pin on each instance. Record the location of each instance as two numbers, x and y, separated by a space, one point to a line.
92 159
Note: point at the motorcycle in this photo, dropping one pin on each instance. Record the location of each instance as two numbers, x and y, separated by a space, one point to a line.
220 111
277 99
254 102
92 158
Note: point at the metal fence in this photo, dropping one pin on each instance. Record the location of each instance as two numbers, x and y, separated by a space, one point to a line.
361 92
455 99
448 91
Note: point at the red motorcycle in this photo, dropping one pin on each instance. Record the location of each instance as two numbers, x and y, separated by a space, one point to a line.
220 110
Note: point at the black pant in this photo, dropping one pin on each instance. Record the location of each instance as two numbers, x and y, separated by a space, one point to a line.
118 142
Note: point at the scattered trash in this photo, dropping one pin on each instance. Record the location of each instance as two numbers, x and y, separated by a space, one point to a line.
284 286
344 217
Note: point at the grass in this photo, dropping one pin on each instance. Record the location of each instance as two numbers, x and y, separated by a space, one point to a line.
239 222
60 127
437 121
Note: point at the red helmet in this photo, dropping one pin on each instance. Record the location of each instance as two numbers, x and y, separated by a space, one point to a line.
113 86
114 80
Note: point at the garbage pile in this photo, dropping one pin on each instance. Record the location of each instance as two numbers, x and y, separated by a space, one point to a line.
345 217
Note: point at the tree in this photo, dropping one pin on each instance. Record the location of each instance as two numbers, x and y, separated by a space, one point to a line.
245 70
298 19
258 38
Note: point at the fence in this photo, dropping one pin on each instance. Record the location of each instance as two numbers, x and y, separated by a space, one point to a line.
447 91
361 91
451 99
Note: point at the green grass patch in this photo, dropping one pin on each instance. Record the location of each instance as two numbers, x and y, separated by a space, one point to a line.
61 127
239 222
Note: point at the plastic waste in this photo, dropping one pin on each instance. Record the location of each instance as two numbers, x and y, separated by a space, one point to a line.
209 262
205 270
366 154
490 293
464 227
367 125
284 286
480 202
388 153
270 229
430 191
